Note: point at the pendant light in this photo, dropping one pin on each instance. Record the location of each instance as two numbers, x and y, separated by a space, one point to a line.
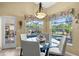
40 13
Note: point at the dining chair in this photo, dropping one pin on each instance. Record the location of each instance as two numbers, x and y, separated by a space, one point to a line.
60 49
31 48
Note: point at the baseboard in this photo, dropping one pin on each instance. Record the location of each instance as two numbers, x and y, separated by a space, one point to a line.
70 54
18 47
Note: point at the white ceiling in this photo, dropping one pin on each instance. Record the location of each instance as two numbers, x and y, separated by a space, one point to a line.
46 4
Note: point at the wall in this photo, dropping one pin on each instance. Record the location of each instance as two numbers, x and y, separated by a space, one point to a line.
0 33
19 30
18 10
58 7
75 36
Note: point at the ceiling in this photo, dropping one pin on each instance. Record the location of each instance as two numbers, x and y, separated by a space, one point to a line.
30 8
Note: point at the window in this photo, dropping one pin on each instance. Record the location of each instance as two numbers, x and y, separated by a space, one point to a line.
62 26
34 26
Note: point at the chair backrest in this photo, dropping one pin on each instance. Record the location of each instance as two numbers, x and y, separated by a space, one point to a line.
30 48
23 36
62 44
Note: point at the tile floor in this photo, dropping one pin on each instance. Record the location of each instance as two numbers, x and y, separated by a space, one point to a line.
10 52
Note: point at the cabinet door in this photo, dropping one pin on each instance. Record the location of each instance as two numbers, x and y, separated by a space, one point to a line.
9 29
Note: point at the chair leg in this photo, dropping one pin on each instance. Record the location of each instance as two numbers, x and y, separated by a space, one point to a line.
21 52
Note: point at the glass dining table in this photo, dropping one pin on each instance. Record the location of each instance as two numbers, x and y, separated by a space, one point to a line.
51 44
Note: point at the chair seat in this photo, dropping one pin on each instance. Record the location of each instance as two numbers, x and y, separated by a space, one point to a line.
42 54
54 40
60 50
54 51
53 44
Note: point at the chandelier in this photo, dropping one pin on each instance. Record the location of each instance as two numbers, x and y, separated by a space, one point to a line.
40 13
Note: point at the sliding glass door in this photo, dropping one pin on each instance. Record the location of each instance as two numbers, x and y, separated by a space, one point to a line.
8 31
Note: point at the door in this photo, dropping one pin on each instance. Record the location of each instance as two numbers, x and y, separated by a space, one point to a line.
9 29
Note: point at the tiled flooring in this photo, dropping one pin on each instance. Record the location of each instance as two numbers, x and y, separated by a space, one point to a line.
10 52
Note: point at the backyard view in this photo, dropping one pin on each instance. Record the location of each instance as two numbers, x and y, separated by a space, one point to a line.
34 26
62 26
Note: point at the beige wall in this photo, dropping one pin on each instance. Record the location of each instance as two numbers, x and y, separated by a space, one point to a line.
19 9
62 6
46 26
18 29
75 36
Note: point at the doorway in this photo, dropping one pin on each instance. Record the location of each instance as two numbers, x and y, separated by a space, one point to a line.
8 31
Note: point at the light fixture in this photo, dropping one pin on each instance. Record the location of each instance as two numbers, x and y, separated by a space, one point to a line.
40 13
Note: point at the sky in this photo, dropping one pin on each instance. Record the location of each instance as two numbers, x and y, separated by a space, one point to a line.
61 20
